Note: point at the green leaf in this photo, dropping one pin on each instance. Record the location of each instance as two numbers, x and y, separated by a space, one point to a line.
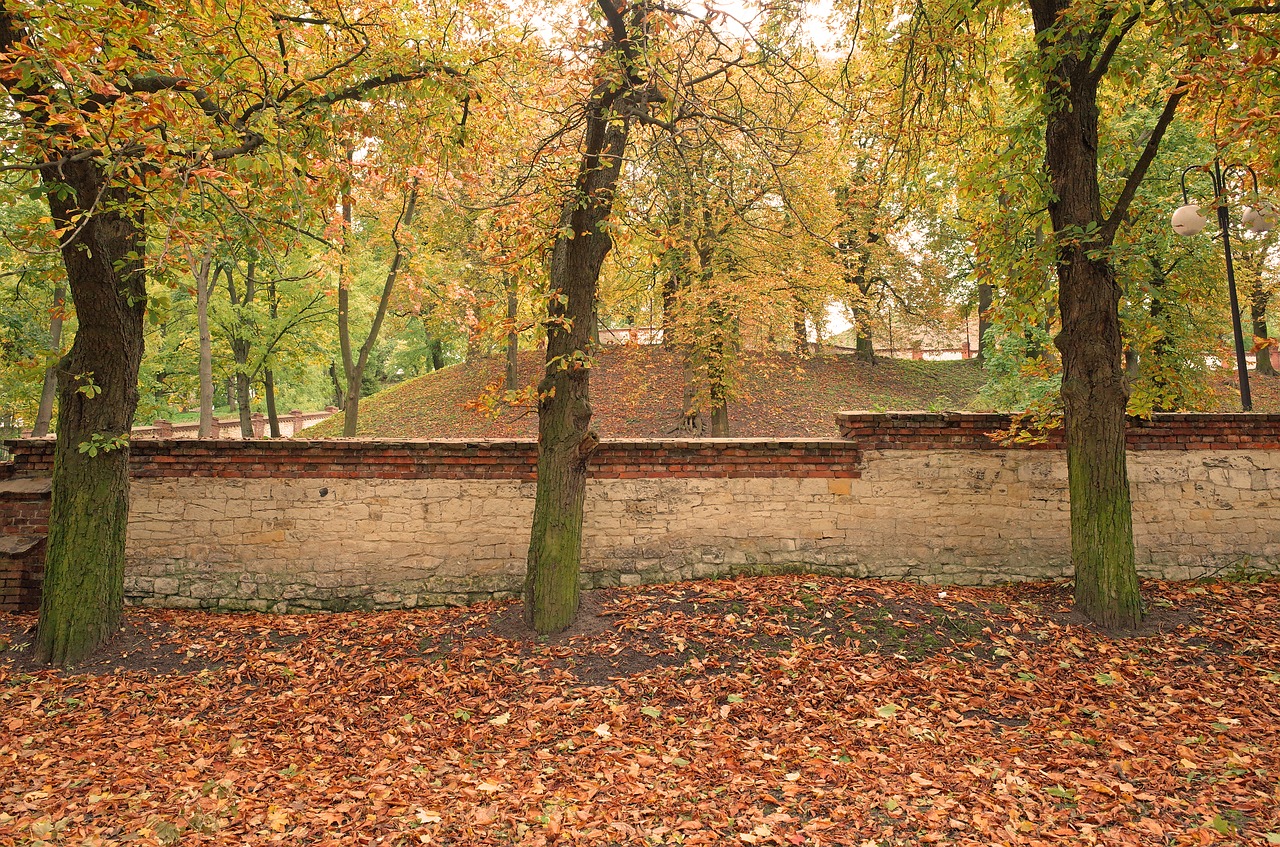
1061 793
888 710
1026 677
1222 825
734 698
651 711
1272 837
1104 679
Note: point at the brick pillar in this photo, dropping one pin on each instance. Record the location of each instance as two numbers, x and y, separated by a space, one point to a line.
295 416
259 423
24 525
164 429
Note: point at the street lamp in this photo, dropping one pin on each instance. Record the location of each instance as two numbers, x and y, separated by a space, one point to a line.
1188 221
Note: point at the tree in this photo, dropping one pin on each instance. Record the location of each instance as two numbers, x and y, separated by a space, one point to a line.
662 69
1082 58
120 109
565 441
355 361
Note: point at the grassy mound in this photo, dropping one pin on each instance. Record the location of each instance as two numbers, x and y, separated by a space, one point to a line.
639 392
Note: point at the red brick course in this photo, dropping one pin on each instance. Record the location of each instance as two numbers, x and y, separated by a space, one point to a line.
383 459
973 431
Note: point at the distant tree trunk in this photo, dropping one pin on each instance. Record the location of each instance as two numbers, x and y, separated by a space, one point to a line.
339 396
799 330
863 346
83 589
513 335
1132 363
718 352
203 273
268 376
240 344
231 394
269 390
565 442
1258 311
670 305
984 321
44 415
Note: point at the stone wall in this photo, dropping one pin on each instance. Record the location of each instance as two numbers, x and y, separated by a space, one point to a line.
298 525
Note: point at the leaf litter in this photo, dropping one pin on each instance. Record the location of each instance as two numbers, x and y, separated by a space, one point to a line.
778 710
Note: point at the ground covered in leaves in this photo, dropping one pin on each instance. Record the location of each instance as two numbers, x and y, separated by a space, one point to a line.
787 710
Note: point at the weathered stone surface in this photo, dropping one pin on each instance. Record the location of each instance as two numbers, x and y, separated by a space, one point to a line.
936 516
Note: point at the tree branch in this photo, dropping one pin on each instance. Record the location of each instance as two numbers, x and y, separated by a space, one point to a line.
1112 225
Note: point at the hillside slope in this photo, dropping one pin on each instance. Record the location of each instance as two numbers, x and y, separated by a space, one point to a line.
639 391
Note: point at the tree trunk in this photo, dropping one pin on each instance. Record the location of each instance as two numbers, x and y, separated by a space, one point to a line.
240 345
206 343
83 592
565 443
1258 311
44 415
513 337
231 394
268 376
351 410
269 389
242 400
984 321
718 370
1094 388
339 396
863 348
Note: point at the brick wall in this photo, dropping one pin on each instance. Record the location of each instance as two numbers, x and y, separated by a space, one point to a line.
478 459
24 523
296 525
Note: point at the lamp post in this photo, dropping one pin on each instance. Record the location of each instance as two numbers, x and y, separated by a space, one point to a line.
1188 221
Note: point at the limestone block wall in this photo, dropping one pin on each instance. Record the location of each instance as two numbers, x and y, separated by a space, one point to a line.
299 525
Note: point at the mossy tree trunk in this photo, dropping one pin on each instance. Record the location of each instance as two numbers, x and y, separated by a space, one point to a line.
565 440
83 592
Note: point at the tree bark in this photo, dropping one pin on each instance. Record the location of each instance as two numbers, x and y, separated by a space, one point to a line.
1258 303
44 415
206 343
268 376
1094 388
565 442
104 254
513 336
339 396
240 345
984 320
